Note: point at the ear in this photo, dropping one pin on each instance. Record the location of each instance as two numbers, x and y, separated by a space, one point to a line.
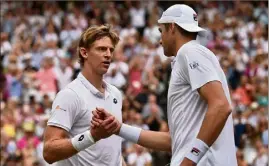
83 52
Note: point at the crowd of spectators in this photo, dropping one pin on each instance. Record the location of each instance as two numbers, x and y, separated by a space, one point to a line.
39 58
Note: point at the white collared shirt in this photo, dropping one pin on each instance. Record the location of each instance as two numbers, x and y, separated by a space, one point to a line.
72 111
193 67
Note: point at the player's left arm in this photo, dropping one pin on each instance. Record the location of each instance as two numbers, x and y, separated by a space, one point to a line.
203 76
215 117
217 114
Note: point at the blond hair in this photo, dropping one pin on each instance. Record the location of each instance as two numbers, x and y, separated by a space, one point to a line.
93 33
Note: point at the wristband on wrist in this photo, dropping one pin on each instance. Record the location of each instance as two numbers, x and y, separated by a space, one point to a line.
197 151
130 133
82 141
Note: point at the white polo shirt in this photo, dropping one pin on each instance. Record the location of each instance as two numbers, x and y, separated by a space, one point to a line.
193 67
72 111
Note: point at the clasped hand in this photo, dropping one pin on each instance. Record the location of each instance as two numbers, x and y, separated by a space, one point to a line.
103 124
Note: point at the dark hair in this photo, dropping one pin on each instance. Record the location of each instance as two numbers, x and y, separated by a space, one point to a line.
182 31
93 33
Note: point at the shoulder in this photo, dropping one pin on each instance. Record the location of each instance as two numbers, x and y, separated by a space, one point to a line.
193 51
194 47
67 95
68 92
71 91
77 86
67 99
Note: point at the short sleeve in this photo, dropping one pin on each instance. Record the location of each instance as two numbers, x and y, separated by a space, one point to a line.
200 69
65 108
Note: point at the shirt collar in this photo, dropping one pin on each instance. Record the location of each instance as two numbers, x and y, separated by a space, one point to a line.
93 90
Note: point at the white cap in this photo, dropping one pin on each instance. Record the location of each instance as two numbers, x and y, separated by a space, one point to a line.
183 15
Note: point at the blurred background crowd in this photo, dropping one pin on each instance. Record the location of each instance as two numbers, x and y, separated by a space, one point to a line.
38 58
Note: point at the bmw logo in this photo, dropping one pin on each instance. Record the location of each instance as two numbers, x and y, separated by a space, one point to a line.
115 101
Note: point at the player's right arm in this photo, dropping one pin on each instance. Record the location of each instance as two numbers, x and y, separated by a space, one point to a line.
59 144
160 141
64 112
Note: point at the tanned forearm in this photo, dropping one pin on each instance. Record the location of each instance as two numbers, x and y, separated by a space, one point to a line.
160 141
213 123
55 150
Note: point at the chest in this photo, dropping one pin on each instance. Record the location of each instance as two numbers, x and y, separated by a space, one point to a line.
180 94
178 84
111 104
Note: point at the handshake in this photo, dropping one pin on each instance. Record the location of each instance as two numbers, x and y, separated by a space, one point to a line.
103 124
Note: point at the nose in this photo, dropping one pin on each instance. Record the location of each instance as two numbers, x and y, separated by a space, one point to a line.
161 42
108 53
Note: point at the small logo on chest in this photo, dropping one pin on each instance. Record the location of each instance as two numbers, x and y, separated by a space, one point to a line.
81 138
115 101
59 108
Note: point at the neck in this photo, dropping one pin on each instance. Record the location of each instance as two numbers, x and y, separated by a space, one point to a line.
180 41
95 79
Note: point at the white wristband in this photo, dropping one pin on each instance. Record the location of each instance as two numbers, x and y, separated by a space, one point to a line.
130 133
198 150
82 141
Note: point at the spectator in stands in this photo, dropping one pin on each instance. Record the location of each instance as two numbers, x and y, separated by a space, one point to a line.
139 157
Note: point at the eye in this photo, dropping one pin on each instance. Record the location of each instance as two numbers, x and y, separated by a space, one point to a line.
102 48
160 30
111 50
